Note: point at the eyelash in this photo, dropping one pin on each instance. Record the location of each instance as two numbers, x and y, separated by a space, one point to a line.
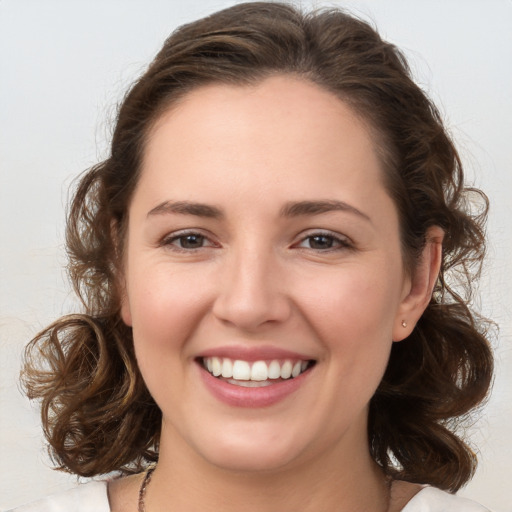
337 242
177 237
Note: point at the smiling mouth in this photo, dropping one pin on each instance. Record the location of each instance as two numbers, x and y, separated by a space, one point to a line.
256 373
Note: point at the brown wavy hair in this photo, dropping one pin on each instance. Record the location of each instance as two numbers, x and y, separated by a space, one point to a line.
97 413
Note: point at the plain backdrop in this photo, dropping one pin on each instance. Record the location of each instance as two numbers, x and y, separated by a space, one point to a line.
64 65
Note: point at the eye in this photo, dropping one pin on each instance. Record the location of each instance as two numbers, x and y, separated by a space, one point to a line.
323 242
192 241
187 241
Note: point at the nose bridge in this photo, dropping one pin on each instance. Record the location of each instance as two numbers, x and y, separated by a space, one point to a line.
250 293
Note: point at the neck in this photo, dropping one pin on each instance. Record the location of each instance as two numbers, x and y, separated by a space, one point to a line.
341 480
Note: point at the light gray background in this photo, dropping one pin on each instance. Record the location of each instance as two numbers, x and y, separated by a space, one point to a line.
65 64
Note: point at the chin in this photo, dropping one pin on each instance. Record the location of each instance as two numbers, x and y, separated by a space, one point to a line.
251 450
250 459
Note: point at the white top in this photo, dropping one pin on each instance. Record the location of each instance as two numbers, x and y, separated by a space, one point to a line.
89 497
431 499
92 497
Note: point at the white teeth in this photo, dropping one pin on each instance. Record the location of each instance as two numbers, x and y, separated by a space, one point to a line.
227 368
296 369
259 371
286 370
274 370
241 370
216 366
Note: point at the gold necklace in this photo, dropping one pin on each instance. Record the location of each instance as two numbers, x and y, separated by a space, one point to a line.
149 472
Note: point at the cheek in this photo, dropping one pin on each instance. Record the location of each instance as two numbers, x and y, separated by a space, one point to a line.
352 313
165 306
353 319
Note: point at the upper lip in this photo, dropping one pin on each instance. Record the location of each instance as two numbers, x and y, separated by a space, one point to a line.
260 353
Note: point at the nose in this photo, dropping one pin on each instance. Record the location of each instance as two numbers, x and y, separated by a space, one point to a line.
252 292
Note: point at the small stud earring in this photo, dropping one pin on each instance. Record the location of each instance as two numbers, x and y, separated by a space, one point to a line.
404 323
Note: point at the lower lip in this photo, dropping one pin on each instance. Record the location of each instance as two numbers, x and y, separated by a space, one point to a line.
238 396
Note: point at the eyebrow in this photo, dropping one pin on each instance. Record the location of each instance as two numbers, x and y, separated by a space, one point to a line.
291 209
187 208
295 209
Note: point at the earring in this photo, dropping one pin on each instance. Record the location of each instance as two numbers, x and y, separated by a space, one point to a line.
404 324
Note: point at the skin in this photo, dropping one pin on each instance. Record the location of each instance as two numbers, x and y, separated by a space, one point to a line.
257 277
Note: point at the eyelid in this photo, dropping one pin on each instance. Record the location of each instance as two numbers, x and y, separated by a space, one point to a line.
342 241
168 239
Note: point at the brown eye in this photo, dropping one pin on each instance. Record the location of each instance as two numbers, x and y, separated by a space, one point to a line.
324 242
192 241
321 242
187 241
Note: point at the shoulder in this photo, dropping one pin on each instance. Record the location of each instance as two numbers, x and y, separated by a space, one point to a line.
431 499
89 497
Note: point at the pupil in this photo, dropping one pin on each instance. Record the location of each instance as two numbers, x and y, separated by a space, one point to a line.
192 241
321 242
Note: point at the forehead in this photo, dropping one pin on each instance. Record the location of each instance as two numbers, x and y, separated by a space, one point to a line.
284 138
295 106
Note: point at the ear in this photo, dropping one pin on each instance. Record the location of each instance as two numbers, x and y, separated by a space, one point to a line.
126 313
120 273
418 289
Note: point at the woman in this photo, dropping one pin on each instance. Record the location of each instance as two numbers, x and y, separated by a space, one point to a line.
266 262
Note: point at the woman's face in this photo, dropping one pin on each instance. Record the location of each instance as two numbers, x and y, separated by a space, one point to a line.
261 239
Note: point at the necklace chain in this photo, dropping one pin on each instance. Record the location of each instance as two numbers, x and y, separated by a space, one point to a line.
149 472
143 487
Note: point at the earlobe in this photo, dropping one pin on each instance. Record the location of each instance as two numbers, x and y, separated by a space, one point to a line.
421 284
126 314
125 309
